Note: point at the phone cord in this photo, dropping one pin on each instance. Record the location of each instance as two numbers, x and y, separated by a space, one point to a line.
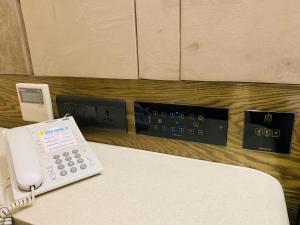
7 211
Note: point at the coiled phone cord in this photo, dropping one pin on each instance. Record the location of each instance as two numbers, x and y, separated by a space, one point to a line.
7 211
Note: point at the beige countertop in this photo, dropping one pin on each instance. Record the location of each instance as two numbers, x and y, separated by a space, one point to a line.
145 188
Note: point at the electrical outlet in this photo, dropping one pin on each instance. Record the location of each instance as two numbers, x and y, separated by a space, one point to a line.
94 112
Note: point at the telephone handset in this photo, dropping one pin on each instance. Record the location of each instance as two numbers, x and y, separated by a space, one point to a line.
45 156
24 159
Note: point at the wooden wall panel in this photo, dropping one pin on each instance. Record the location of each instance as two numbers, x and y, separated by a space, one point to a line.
158 30
236 40
14 55
235 96
88 38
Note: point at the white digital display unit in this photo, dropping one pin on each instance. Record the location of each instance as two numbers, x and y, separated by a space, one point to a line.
35 102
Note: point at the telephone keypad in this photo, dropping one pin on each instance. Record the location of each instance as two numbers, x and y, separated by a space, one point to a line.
70 163
75 151
58 161
68 158
73 170
80 160
83 166
55 156
60 166
65 153
63 173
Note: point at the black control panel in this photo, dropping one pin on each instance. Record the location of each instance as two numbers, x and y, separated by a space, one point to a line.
94 112
268 131
191 123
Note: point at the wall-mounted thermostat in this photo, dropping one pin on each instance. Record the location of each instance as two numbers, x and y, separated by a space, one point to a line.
35 102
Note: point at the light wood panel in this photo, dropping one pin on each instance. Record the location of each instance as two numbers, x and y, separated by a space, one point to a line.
88 38
237 40
235 96
158 27
14 55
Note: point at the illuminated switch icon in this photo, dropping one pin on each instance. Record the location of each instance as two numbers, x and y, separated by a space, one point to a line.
172 129
200 117
180 115
155 113
268 132
195 124
172 115
181 130
159 120
268 118
163 114
259 131
200 132
275 133
191 131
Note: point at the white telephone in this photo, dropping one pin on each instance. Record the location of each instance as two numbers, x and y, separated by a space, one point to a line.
45 156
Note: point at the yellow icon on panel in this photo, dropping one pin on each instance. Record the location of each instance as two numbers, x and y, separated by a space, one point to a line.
259 131
195 124
268 132
201 132
41 132
172 129
276 133
201 117
268 118
181 116
191 131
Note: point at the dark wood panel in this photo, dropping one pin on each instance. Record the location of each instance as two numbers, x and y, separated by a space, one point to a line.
235 96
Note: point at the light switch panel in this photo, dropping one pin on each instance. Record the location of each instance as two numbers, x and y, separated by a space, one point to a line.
185 122
268 131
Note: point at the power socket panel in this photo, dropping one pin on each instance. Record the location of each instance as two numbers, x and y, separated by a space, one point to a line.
94 112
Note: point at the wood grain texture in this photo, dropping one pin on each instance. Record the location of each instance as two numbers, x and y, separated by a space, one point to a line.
236 40
82 38
236 96
14 54
158 31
